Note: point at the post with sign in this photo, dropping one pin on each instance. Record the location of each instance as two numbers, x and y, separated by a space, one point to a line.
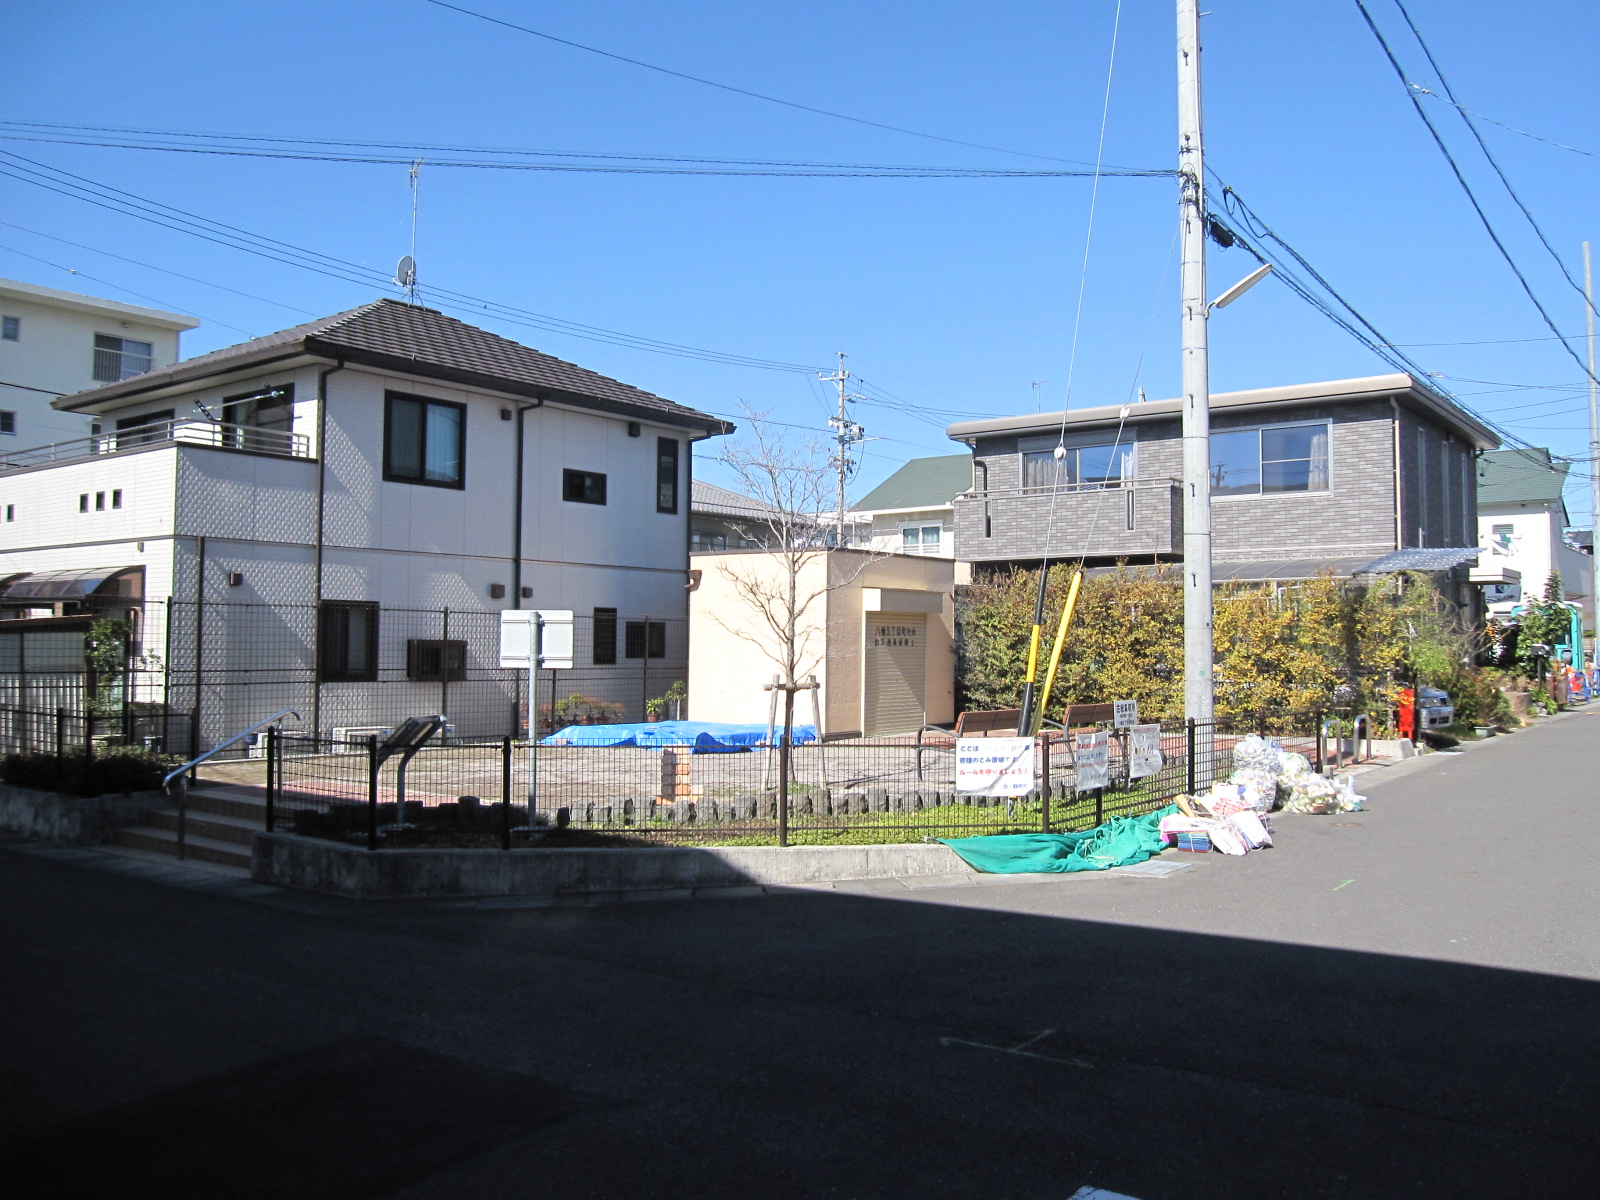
535 638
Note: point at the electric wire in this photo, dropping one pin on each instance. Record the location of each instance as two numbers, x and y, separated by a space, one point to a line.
1466 119
726 87
753 171
1461 180
1511 128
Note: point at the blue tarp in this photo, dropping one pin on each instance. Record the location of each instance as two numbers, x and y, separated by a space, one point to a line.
652 735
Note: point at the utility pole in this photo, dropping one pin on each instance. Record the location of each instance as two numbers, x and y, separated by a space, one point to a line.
1197 598
846 433
1594 454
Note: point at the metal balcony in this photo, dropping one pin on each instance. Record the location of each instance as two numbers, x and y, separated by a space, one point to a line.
194 432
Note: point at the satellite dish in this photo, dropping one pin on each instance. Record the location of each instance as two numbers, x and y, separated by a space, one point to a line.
406 273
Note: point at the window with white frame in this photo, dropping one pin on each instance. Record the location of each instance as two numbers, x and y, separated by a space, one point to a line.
919 539
1269 461
1103 463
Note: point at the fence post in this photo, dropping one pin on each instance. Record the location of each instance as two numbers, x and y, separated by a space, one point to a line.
272 772
1316 724
783 764
505 793
61 742
1044 782
372 792
1189 743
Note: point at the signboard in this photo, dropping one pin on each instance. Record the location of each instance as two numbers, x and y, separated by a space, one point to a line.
994 766
555 638
1125 714
1091 757
1144 751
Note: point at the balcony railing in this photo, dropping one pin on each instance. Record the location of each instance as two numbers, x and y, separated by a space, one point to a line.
163 433
113 366
1128 517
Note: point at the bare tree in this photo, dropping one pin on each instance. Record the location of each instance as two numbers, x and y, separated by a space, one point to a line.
790 484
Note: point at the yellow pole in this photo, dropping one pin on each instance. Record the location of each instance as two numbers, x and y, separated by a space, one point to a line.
1055 651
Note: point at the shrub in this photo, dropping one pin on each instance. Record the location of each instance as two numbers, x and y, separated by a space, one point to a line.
116 771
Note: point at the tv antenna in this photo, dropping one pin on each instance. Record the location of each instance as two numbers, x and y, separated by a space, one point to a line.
405 275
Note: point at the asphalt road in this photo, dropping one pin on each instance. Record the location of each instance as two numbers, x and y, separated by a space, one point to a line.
1396 1003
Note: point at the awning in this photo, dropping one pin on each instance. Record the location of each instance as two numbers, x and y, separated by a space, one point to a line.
1422 560
60 585
1285 569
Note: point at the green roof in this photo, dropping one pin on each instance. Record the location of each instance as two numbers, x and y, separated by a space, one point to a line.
921 483
1520 477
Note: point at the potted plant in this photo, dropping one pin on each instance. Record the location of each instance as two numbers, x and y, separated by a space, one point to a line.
676 695
653 707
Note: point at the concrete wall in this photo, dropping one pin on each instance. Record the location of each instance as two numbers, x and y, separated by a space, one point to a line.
285 860
731 646
77 819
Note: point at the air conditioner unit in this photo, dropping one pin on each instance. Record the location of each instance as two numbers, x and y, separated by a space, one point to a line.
352 739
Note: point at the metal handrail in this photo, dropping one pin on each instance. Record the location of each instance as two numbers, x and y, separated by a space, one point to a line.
186 431
183 807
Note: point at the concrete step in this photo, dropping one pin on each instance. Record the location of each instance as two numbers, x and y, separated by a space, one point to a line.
165 841
248 804
216 826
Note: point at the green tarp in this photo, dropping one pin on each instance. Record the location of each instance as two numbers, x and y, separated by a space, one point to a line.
1120 842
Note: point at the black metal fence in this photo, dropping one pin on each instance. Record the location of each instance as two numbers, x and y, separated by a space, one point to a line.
211 669
860 790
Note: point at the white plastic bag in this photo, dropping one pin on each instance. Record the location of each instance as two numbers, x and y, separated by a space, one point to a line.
1251 829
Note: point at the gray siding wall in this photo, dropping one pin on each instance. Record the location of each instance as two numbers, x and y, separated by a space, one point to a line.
1355 516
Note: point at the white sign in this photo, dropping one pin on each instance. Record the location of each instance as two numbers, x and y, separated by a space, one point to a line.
1092 759
1125 713
994 766
555 637
1144 751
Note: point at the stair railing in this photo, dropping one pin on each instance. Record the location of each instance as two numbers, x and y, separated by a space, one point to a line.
181 773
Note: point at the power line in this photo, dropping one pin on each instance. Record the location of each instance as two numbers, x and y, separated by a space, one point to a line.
1461 180
1511 128
220 233
1484 146
733 168
726 87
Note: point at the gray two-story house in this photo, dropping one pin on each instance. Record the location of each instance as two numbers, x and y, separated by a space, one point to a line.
1336 476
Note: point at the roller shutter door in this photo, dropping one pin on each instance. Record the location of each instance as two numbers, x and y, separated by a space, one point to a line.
895 682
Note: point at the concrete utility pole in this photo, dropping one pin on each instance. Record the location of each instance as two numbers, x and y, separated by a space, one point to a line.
1197 599
1594 453
846 433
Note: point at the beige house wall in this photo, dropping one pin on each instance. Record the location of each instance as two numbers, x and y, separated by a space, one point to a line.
729 643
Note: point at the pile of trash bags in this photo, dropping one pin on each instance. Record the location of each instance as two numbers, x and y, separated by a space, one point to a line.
1232 816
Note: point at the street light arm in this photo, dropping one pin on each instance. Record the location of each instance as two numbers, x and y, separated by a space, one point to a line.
1243 286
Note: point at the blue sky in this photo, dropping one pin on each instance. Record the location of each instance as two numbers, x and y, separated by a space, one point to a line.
951 296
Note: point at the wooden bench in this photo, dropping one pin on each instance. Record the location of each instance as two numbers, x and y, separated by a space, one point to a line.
1081 716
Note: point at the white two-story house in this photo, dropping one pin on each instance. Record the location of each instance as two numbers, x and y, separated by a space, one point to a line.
1522 521
331 517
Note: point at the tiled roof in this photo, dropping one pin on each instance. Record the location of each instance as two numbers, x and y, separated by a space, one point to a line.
921 483
420 341
1520 477
712 500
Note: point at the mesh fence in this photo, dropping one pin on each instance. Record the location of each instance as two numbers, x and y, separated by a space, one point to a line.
858 790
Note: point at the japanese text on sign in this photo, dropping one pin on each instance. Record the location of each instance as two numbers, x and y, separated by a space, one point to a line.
1125 713
994 766
1144 751
1092 760
894 635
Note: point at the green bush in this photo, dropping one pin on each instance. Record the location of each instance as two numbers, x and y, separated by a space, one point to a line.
115 771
